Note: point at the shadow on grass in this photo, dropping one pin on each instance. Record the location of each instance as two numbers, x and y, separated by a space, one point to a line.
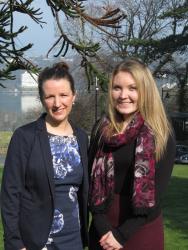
175 206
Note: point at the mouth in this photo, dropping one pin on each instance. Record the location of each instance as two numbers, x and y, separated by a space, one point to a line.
124 103
56 110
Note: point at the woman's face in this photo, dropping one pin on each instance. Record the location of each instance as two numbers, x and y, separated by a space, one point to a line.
125 94
57 99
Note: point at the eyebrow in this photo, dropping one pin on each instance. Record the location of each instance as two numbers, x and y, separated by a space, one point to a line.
117 84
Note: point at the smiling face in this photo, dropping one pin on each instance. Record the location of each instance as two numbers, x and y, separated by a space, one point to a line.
57 99
124 94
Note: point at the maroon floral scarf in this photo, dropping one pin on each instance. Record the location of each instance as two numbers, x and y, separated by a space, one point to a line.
102 175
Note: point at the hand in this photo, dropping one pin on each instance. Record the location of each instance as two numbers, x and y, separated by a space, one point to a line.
23 248
108 242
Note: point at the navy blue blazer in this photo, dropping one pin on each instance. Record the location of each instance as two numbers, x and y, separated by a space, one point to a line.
27 192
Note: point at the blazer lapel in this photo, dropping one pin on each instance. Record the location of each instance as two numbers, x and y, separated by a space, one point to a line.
46 153
47 157
83 153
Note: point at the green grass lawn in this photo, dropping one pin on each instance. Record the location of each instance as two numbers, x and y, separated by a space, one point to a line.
4 140
5 137
174 210
1 229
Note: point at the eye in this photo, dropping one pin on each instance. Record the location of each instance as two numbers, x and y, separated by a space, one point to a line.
133 87
63 94
48 97
116 87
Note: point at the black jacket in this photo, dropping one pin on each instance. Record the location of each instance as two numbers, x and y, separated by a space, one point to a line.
27 192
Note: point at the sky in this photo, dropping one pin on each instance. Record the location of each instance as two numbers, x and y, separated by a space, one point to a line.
42 38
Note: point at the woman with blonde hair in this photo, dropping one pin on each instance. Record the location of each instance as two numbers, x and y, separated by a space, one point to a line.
131 158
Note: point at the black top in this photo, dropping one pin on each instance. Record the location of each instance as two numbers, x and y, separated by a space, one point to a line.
124 172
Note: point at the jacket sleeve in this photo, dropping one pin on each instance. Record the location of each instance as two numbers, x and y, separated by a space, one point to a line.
11 190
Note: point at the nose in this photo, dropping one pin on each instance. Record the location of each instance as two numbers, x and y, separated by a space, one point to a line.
57 101
123 94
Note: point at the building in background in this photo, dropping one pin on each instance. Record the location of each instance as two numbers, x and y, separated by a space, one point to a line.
29 81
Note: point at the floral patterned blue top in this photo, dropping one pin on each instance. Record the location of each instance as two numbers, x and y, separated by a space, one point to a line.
68 173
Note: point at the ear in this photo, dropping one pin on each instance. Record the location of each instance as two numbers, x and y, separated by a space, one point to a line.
74 97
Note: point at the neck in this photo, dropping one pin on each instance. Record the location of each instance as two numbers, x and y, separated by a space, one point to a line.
126 121
58 128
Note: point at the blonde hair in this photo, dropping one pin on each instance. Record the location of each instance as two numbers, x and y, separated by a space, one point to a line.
149 103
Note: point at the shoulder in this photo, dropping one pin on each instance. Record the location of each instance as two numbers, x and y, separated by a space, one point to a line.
25 129
22 140
171 144
96 127
81 131
32 127
168 157
27 132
